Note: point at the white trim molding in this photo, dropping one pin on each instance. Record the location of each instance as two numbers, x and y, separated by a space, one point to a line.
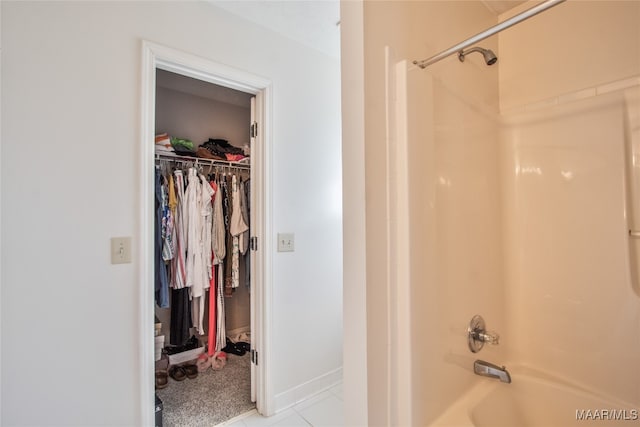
155 56
307 390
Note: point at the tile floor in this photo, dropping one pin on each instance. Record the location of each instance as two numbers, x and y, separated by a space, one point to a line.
325 409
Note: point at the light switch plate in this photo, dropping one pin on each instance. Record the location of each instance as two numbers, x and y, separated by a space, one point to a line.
285 242
120 250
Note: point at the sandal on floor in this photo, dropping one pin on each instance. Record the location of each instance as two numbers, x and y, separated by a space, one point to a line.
177 373
162 379
203 362
191 371
245 337
218 360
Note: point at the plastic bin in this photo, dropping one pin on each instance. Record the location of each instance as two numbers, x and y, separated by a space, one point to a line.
159 346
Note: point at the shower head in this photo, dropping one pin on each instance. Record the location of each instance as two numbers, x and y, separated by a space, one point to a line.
489 57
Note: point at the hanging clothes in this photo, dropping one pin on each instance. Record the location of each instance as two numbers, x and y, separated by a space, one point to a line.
237 227
212 338
244 210
218 227
180 317
180 307
207 230
161 276
202 266
247 257
200 224
167 223
169 233
227 208
193 228
221 328
179 275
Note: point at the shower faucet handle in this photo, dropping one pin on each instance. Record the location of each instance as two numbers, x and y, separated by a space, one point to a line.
477 334
489 337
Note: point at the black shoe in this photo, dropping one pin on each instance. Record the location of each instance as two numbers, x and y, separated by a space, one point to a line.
243 346
233 349
191 343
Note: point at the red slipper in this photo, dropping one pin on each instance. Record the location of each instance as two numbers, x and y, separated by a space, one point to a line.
218 360
203 362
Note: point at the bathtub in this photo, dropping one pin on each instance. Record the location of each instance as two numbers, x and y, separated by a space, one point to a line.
534 399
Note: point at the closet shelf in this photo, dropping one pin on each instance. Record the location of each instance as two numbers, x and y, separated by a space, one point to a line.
202 161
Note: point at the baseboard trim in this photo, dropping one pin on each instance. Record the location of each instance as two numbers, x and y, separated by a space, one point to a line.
307 390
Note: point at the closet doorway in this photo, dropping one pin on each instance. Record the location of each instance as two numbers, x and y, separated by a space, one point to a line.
179 91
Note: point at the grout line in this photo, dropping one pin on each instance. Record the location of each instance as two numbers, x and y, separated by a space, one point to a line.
330 394
302 416
341 398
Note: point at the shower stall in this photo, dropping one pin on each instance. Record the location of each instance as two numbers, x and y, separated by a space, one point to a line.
514 194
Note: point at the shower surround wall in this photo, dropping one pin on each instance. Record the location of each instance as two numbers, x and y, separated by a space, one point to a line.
568 96
454 211
518 217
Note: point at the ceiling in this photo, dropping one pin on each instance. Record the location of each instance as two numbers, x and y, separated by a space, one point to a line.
500 6
314 23
180 83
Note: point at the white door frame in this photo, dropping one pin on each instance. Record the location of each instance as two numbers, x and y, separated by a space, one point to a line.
154 57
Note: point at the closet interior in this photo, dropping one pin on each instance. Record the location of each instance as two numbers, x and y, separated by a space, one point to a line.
202 254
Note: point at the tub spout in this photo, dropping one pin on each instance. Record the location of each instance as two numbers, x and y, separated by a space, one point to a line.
480 367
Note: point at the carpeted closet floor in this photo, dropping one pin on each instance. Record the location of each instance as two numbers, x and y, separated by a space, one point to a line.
211 398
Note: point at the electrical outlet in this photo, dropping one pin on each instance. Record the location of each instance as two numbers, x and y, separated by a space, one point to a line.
120 250
285 242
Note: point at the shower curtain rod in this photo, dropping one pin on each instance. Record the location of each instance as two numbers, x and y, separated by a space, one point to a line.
489 32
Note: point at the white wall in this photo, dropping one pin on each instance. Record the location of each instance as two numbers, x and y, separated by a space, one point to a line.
198 119
71 126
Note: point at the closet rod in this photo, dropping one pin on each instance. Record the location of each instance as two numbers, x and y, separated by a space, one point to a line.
203 161
489 32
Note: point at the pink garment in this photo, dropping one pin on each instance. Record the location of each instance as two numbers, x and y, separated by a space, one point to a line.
212 314
212 294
